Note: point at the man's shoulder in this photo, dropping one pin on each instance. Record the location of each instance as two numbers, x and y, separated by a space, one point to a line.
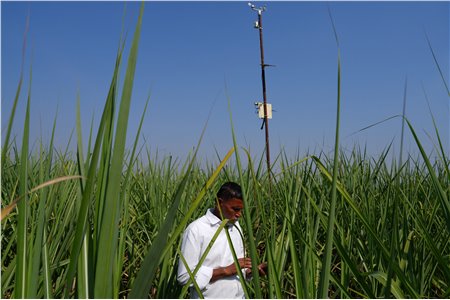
198 223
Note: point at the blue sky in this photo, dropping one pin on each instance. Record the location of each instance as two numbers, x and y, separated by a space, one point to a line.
194 55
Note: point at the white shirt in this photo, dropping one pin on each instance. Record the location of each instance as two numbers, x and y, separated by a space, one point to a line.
195 240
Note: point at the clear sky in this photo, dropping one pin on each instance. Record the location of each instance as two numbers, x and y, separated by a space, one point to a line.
193 55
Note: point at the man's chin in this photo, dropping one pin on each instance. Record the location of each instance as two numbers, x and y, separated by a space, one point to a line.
231 222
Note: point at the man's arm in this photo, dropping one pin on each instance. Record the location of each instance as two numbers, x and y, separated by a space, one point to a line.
231 269
190 249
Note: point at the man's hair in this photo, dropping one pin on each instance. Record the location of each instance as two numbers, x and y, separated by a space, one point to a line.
229 190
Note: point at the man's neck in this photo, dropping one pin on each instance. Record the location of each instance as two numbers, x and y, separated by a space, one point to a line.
216 212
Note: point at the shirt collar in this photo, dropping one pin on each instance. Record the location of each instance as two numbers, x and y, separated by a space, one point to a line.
212 219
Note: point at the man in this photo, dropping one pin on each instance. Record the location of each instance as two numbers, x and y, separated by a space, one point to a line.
218 276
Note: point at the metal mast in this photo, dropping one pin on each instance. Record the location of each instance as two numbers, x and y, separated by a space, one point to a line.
258 25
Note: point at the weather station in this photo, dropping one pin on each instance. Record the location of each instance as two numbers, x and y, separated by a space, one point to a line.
264 109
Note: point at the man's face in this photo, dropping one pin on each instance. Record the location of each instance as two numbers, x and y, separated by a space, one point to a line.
231 209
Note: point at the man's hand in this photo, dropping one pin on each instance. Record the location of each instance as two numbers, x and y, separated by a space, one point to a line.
262 270
244 263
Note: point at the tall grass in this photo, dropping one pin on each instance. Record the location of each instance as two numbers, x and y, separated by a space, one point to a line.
106 225
361 256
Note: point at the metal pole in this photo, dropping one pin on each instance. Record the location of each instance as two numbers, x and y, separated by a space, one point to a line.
263 77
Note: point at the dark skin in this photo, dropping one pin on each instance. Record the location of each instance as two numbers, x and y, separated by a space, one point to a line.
232 210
